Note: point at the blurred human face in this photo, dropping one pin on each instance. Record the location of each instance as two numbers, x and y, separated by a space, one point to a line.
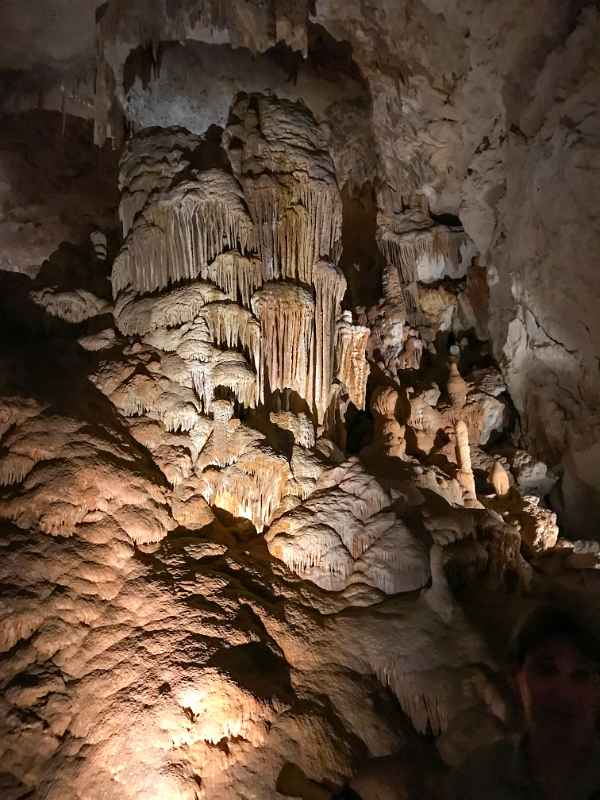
560 691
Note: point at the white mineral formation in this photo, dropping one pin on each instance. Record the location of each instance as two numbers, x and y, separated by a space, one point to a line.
135 315
181 231
300 426
330 287
286 312
346 533
75 306
352 367
456 387
289 180
103 340
426 255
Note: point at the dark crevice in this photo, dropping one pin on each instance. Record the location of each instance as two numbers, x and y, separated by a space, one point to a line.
450 220
360 260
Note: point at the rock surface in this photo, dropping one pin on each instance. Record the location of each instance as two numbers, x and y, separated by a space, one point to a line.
298 390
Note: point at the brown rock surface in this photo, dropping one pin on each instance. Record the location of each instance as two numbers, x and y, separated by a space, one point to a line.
246 441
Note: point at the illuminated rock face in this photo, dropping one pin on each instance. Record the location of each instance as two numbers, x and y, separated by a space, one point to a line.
259 491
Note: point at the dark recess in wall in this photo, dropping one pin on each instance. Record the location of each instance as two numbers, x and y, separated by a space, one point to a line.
360 260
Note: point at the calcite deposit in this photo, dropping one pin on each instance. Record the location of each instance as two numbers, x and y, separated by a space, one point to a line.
298 386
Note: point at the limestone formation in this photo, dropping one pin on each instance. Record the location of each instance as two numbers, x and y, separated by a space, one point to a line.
499 479
463 458
289 180
345 534
389 433
323 283
75 306
456 387
181 231
100 244
352 368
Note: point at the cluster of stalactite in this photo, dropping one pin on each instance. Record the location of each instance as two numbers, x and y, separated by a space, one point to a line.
235 273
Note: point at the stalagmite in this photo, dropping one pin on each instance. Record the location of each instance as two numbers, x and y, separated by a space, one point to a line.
463 455
352 367
413 350
215 562
498 477
222 413
456 387
286 313
389 433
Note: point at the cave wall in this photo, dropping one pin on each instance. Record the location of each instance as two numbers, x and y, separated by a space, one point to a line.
496 107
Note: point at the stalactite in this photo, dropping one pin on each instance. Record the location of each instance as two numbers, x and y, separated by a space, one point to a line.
297 222
289 180
177 417
316 559
239 277
330 287
286 313
252 488
404 250
352 367
75 306
120 276
194 342
14 467
231 325
398 294
150 164
423 697
232 371
139 316
300 426
203 384
180 232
